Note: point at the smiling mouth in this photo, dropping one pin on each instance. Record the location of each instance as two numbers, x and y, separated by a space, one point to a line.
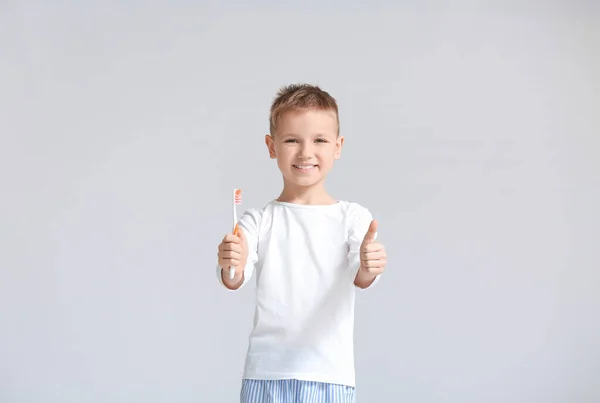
304 168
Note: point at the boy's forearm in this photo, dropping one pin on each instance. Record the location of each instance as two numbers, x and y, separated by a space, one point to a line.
363 278
232 284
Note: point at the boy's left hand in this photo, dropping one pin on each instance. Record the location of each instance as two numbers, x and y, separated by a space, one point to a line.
372 253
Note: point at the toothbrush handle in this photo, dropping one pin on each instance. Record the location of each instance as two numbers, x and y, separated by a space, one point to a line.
232 269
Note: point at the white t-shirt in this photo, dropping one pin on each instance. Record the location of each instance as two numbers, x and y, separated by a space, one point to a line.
305 259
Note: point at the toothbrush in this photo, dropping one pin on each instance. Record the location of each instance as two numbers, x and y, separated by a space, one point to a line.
237 199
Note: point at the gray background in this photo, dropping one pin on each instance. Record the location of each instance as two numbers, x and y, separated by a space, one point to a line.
471 134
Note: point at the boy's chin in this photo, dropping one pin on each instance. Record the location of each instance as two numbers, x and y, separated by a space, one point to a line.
304 183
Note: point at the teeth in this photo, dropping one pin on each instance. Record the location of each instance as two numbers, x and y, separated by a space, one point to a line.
305 166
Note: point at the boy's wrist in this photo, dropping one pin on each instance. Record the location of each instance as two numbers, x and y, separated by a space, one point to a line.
364 277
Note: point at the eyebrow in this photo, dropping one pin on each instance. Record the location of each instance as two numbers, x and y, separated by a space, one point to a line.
295 134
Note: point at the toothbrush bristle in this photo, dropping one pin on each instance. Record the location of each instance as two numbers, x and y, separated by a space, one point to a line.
237 199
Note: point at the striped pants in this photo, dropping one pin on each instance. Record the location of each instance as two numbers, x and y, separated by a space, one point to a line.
294 391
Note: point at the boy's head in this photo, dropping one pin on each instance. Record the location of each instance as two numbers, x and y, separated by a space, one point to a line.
304 134
301 98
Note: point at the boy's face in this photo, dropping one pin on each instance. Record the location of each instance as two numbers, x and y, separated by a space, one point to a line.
305 146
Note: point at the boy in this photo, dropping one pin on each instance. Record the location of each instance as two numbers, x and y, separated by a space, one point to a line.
309 253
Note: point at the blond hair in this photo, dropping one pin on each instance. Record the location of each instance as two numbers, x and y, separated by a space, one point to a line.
301 97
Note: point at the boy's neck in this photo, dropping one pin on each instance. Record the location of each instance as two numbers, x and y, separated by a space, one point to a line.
305 195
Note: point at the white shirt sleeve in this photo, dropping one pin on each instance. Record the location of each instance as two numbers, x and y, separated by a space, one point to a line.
360 219
249 222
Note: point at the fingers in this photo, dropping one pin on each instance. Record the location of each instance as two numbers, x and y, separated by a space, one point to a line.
227 262
238 237
229 254
230 246
373 257
371 247
377 256
374 264
233 263
231 238
380 254
231 250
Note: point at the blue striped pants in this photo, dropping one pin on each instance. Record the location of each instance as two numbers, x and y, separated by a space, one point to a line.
294 391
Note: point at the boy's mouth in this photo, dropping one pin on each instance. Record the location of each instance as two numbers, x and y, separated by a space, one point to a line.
304 167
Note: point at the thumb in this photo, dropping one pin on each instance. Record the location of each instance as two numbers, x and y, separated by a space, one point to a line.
240 233
371 232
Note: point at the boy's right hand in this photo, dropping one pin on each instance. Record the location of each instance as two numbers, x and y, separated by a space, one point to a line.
233 252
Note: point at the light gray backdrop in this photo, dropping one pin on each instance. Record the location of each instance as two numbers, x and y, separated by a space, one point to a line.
472 135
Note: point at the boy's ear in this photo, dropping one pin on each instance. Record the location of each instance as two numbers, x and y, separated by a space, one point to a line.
338 147
270 145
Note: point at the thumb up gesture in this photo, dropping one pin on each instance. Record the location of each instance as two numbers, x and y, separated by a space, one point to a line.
372 254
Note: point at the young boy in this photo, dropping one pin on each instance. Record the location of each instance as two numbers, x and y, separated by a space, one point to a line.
309 253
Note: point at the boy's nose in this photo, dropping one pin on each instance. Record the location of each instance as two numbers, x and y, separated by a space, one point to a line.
305 150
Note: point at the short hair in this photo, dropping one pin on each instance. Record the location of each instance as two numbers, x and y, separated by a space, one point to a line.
301 97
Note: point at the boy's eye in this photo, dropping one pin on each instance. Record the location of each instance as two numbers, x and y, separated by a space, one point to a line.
295 141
